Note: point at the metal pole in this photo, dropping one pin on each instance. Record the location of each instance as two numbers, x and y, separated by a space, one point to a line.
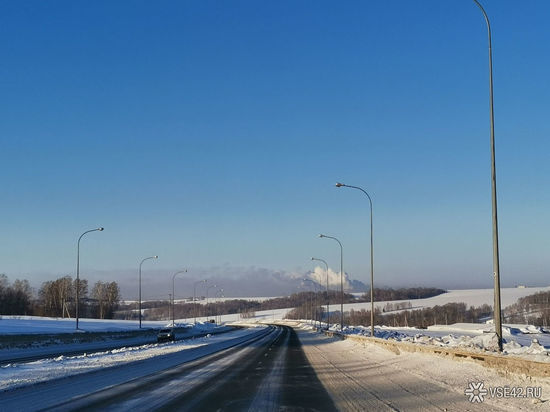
218 311
207 289
150 257
328 297
496 264
341 280
314 311
99 229
173 294
371 255
170 303
195 298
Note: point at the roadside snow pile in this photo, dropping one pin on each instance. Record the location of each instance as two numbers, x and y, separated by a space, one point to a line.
19 374
519 339
507 329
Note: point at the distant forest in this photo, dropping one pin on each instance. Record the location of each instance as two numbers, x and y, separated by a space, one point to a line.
402 294
532 310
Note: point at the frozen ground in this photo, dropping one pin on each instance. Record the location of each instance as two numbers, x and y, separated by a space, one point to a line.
368 377
20 374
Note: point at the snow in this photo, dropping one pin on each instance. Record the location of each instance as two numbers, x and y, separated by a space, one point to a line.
472 297
20 374
364 376
533 344
13 325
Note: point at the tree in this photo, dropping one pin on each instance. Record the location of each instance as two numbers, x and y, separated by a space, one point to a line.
107 297
15 299
58 297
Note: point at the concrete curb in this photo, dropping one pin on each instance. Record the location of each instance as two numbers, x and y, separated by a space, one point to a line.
504 363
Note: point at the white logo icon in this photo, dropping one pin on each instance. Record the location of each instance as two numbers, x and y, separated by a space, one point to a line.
476 392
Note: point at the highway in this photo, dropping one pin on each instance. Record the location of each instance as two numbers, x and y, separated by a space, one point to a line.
263 370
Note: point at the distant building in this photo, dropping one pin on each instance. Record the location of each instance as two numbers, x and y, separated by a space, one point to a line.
521 286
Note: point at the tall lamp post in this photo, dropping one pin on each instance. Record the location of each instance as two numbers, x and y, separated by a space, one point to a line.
341 279
150 257
371 255
99 229
195 297
219 293
496 265
173 295
328 298
314 312
207 289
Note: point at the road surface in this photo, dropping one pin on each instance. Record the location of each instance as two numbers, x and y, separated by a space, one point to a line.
266 371
276 368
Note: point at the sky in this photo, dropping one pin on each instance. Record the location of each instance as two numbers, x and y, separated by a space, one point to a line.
211 133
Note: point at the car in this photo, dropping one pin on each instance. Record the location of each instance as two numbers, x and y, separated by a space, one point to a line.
166 335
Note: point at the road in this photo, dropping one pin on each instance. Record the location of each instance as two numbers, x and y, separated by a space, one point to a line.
267 370
276 368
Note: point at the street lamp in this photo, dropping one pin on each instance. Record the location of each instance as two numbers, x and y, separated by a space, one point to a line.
341 279
195 297
173 295
219 293
207 289
328 298
99 229
150 257
496 264
371 255
313 313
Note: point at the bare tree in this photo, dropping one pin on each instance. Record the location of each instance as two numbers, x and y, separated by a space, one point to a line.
107 297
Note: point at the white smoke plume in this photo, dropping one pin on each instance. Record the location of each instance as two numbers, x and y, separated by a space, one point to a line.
319 275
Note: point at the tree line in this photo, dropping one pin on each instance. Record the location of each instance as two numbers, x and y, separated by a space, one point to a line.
57 298
421 318
402 294
159 310
533 310
15 298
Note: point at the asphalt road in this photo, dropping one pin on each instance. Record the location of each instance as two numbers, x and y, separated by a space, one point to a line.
267 371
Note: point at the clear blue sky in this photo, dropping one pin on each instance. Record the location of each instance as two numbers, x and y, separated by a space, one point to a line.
212 133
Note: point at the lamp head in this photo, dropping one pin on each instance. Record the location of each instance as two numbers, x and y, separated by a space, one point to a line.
156 257
321 235
100 229
340 184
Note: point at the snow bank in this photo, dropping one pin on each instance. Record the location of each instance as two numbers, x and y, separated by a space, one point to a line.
520 340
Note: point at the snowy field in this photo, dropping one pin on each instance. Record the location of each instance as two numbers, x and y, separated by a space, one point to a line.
42 325
471 297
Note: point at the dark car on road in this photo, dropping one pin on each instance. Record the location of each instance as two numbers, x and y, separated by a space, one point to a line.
166 335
